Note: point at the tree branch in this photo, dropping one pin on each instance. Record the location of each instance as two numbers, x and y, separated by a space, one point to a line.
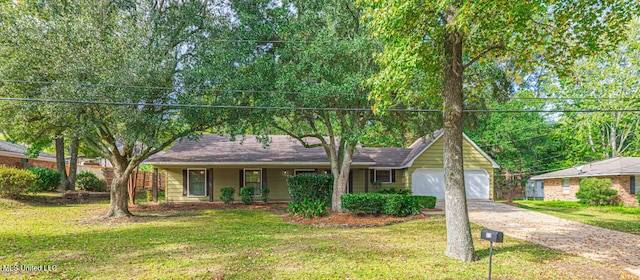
499 46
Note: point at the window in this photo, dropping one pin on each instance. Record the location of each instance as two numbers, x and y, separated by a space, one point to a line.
383 176
632 185
302 171
197 182
565 186
253 178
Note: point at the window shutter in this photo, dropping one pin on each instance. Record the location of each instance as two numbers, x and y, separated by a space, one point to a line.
210 183
241 180
264 178
184 182
372 175
393 175
632 185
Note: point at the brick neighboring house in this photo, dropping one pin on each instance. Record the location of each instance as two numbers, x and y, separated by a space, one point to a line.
13 155
623 171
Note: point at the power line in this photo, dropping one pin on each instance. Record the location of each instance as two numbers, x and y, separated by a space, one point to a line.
177 88
277 92
299 108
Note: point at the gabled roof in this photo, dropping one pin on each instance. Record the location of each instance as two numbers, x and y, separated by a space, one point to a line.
607 167
15 150
421 145
220 150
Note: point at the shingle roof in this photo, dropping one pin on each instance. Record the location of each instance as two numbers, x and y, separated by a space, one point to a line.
220 149
607 167
20 150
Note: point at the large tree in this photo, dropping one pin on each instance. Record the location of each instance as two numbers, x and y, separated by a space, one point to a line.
608 81
312 54
136 53
435 43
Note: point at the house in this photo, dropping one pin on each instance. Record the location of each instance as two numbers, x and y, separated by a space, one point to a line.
197 170
14 155
623 171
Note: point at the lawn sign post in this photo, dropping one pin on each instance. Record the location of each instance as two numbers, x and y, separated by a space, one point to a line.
491 236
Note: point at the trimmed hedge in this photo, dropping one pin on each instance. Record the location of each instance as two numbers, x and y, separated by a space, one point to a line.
595 191
14 181
390 204
46 179
427 201
310 186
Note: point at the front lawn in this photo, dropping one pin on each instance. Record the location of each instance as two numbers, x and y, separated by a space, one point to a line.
625 219
253 244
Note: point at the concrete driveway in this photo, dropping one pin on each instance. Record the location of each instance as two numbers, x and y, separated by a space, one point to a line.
609 246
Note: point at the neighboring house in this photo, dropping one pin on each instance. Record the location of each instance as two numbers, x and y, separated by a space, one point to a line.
623 171
197 170
14 155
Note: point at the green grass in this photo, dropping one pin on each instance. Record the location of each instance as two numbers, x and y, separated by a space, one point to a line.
252 244
625 219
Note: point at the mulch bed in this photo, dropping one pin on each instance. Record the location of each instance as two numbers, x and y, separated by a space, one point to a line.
351 220
340 220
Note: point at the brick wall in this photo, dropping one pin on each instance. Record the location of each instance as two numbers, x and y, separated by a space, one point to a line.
553 189
623 185
11 161
17 163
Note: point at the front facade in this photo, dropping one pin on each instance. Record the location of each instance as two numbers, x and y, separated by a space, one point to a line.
196 171
624 173
14 155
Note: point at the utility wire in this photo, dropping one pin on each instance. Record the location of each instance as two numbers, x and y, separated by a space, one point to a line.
275 92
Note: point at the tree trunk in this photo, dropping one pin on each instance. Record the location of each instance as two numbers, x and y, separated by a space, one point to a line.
119 205
459 241
60 164
340 180
133 180
73 162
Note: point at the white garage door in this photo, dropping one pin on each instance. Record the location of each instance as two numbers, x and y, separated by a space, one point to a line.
430 181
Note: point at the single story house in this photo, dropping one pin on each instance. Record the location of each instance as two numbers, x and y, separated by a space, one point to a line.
623 171
14 155
197 170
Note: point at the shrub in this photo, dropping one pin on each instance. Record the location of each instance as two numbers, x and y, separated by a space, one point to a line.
265 194
597 191
246 195
308 208
390 204
392 190
638 198
14 181
149 195
426 201
411 205
393 204
46 179
364 202
89 182
310 186
226 194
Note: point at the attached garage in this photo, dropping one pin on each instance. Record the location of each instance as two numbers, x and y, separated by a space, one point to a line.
430 181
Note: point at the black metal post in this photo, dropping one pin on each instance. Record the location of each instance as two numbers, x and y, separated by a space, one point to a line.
490 258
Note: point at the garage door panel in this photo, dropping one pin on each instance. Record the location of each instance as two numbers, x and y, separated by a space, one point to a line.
430 181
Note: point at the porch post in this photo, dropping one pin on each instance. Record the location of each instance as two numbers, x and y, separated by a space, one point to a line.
154 185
